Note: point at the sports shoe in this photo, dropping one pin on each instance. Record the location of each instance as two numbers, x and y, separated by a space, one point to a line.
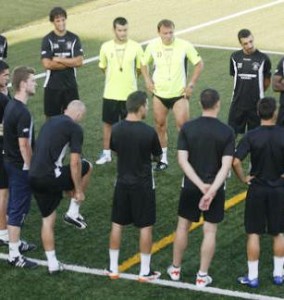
103 159
174 272
78 222
153 275
278 280
110 274
161 166
25 247
254 283
202 281
59 269
22 262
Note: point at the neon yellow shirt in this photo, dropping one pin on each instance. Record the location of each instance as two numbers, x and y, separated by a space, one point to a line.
120 62
170 63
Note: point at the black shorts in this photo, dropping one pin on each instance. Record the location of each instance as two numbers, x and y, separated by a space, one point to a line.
189 201
113 111
264 210
135 204
56 101
3 173
239 119
169 102
49 191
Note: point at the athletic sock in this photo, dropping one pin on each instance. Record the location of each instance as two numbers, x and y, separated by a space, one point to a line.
165 155
74 207
278 265
113 259
145 264
51 260
202 274
252 269
4 235
14 250
107 152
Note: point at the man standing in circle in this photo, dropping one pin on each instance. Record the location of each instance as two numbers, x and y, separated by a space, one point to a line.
135 144
120 60
171 89
251 70
61 53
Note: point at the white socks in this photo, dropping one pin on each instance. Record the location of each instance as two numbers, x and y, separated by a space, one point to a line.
52 260
14 250
4 235
145 264
165 155
278 266
252 269
107 152
74 207
113 258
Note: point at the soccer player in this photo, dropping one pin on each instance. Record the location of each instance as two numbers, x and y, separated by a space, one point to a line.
251 70
49 178
169 84
264 208
3 47
135 144
278 86
4 99
205 154
18 142
120 60
61 53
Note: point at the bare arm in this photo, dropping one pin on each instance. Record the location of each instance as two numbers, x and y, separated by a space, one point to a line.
194 78
72 62
277 83
147 78
76 170
190 172
238 169
221 176
266 83
50 64
26 151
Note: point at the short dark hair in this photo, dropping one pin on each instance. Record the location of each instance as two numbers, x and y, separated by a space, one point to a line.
3 66
208 98
244 33
266 108
135 100
165 23
119 21
20 74
57 12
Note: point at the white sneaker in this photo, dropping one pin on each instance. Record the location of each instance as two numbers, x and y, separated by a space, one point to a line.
174 272
202 281
153 275
103 159
56 270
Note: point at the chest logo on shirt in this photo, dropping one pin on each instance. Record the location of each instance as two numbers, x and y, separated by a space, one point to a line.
240 65
255 66
55 46
69 45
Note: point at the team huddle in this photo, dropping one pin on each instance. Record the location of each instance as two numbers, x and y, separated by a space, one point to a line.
206 147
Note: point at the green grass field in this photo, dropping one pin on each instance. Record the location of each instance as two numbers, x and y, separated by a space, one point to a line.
92 20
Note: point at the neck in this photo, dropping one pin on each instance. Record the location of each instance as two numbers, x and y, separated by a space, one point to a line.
269 122
4 90
60 33
134 117
22 96
117 41
210 113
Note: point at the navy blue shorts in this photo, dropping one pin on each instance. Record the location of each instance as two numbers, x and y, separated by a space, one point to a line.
20 195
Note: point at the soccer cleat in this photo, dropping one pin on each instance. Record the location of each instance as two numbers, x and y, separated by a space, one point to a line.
278 280
22 262
174 273
203 280
59 269
161 166
78 222
253 283
153 275
25 247
103 159
110 274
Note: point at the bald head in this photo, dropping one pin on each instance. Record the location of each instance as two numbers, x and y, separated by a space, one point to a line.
76 110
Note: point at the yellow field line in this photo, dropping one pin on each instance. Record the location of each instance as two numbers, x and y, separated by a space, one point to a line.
135 259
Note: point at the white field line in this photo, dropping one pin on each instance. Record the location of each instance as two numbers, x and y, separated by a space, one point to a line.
206 24
161 282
